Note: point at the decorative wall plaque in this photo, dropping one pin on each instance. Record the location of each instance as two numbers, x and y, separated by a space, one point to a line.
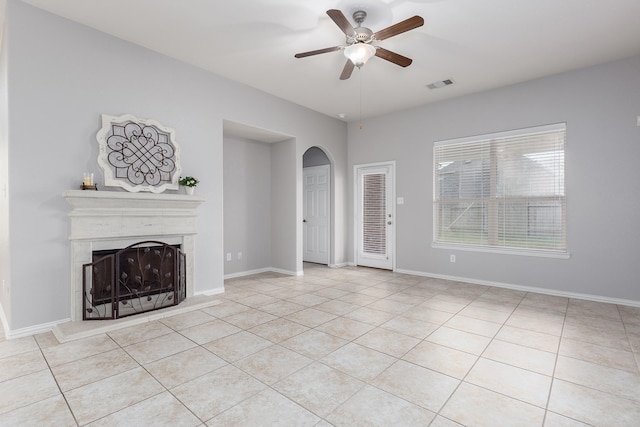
138 154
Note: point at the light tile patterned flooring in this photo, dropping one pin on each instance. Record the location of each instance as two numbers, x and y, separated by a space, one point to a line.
344 347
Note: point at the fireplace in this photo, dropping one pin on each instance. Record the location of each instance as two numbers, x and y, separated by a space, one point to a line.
142 277
114 221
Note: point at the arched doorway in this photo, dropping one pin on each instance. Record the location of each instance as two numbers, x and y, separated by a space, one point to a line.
316 212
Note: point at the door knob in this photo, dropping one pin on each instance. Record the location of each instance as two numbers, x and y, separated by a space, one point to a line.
304 220
388 222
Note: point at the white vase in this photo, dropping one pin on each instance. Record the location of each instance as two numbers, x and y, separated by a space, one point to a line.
189 190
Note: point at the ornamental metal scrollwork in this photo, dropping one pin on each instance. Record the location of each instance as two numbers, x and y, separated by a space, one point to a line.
138 154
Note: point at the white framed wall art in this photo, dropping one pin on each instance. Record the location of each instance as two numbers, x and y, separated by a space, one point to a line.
138 154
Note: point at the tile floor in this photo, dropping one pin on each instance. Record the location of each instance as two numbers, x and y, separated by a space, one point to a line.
343 347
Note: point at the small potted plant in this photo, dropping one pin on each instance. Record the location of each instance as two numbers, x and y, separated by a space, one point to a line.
189 183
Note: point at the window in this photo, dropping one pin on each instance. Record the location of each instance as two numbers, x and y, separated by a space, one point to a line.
502 191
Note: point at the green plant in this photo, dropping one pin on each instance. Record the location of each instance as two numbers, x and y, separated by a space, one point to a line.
188 181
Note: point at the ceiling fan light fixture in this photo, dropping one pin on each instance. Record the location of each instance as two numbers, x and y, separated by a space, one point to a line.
358 46
359 53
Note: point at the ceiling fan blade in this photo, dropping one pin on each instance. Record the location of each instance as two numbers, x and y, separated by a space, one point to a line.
317 52
396 58
399 28
342 22
347 70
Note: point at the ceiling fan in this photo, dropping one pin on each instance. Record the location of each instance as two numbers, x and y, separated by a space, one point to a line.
360 45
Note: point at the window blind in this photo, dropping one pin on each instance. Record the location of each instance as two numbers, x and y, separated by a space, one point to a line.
374 233
503 190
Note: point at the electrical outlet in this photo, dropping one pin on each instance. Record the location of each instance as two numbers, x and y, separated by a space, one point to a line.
452 258
239 256
228 256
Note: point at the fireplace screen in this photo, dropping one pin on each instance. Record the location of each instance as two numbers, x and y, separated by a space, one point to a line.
143 277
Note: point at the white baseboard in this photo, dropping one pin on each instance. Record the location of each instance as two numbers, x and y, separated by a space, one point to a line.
287 272
263 270
246 273
34 330
340 265
210 292
4 320
545 291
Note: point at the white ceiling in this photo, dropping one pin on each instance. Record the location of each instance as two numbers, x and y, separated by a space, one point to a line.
478 44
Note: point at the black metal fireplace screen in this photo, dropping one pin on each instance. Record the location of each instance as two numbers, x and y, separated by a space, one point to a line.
142 277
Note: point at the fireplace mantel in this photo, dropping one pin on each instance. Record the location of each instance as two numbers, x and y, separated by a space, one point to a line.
114 220
87 199
112 214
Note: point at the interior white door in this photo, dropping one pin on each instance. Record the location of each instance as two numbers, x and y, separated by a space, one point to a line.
375 215
316 214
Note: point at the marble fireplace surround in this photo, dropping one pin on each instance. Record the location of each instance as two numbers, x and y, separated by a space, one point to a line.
102 220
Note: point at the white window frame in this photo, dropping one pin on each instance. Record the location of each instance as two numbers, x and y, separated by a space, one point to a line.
512 250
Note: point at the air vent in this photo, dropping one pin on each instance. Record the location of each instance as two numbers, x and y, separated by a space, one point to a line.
441 83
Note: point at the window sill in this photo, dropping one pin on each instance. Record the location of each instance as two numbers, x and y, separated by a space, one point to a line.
540 253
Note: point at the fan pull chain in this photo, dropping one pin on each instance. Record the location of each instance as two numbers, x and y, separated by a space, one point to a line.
360 73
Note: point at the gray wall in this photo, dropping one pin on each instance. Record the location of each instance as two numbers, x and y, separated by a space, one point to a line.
600 105
4 170
62 77
247 204
284 210
259 214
